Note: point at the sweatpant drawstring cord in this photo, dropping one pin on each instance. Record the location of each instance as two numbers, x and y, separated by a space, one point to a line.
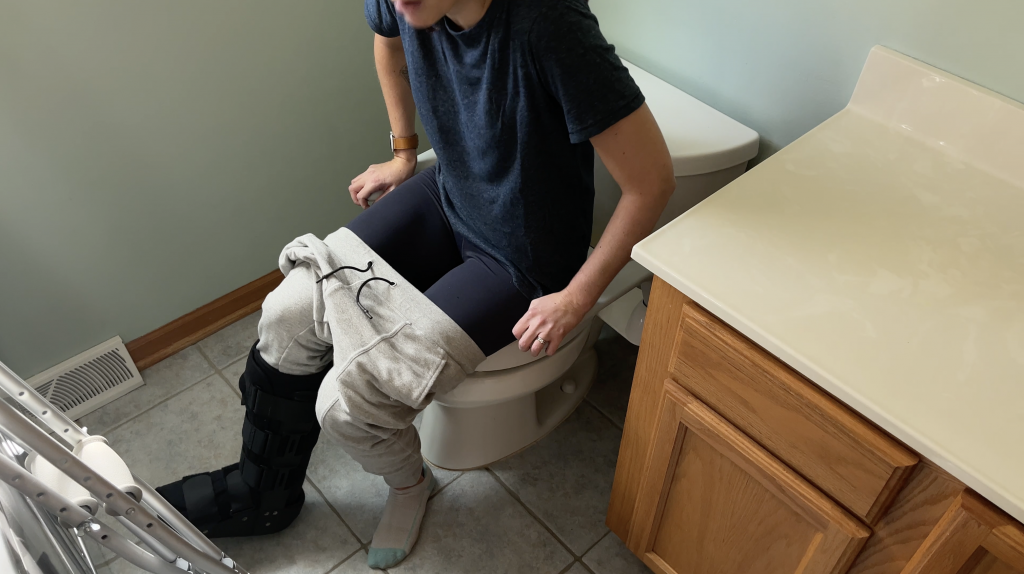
360 292
369 265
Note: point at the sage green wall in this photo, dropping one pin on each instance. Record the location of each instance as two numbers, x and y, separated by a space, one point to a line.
157 155
783 66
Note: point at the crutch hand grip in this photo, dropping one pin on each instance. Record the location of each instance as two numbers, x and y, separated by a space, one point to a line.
95 452
62 483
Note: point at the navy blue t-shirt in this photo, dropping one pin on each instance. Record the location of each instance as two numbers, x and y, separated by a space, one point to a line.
509 106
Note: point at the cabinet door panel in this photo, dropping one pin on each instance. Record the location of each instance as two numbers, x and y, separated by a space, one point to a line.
710 505
713 501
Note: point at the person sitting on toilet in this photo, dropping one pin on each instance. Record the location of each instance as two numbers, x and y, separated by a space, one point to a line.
447 266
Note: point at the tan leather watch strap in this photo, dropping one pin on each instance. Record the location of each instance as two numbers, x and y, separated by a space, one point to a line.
411 142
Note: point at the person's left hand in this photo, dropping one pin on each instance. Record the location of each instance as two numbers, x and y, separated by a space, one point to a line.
551 318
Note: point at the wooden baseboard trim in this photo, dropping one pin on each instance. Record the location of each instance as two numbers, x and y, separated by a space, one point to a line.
189 329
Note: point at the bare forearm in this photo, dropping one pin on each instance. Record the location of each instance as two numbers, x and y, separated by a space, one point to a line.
393 73
633 220
635 153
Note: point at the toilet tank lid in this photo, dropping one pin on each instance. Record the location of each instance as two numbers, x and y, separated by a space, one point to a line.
700 138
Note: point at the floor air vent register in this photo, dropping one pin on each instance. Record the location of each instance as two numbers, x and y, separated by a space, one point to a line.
88 381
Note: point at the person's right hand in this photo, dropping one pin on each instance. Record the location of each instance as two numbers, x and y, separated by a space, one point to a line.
381 177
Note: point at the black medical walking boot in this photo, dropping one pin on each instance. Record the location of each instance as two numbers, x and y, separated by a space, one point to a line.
262 493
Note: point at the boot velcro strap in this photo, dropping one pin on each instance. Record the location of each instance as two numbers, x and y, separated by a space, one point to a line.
265 478
200 499
220 489
273 407
239 497
271 445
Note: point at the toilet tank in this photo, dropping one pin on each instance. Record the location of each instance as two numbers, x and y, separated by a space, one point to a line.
708 148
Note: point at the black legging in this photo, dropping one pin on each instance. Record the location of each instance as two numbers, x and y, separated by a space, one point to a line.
408 228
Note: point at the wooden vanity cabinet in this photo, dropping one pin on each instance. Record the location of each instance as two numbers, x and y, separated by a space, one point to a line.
733 463
712 500
973 537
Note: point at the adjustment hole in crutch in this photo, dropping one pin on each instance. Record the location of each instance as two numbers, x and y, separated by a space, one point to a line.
49 488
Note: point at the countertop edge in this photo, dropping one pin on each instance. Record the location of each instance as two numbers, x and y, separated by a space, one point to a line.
1004 500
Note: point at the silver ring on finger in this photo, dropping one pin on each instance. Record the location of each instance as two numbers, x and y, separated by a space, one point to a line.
541 341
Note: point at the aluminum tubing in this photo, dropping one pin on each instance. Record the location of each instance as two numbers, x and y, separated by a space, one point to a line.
118 503
38 491
65 428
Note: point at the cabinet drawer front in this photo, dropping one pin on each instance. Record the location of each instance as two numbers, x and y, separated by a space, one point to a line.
812 433
712 500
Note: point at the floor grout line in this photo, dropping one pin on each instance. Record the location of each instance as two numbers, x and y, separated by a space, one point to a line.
438 491
574 563
216 371
342 563
203 354
111 561
363 547
569 567
234 387
219 370
155 405
614 422
543 524
592 546
335 511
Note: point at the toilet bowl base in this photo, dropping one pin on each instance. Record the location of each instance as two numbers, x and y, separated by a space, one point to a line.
468 438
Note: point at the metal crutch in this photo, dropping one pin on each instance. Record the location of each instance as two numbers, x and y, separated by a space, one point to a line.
178 545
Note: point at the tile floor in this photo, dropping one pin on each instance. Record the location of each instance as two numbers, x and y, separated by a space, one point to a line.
541 511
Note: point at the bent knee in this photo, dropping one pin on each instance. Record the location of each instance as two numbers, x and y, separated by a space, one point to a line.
288 338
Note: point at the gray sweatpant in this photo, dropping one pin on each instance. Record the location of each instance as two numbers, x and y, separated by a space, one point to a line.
389 361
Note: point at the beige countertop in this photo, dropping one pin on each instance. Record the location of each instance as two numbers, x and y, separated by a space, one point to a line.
882 256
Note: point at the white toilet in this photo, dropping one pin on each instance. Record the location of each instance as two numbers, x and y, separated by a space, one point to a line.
513 399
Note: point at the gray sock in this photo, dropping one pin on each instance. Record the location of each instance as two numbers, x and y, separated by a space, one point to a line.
399 527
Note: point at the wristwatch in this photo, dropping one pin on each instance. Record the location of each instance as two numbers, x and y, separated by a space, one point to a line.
411 142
